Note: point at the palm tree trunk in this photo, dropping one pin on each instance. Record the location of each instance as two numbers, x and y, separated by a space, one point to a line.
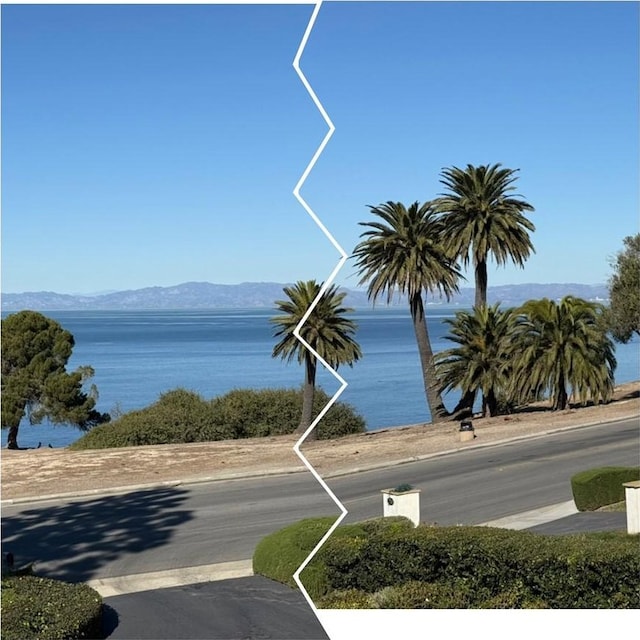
492 403
434 398
464 408
562 398
481 283
308 392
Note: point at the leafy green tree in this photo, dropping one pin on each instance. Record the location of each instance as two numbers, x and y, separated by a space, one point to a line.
403 251
481 361
481 217
624 292
35 351
563 347
327 331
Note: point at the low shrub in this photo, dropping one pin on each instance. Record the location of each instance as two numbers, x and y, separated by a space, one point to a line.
45 609
279 555
516 596
341 419
349 599
182 416
496 565
425 595
600 487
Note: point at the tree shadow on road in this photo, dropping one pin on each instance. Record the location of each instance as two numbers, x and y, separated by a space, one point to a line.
78 538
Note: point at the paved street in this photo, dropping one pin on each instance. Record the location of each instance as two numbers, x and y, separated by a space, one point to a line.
247 608
176 527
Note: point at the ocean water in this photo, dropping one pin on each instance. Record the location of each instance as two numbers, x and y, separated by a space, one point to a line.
138 355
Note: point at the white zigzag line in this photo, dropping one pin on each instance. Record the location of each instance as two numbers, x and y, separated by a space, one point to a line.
296 332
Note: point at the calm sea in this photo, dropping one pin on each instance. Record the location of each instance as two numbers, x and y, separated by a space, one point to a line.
139 354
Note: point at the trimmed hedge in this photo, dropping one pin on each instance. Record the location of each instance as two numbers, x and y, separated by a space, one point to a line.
182 416
486 567
279 555
600 487
425 595
35 608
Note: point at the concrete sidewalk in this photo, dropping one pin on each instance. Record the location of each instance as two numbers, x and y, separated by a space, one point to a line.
563 518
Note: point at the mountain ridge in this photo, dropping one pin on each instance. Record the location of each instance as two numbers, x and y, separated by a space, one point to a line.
207 295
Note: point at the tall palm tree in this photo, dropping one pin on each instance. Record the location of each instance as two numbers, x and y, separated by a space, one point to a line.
481 361
563 347
403 252
482 218
326 331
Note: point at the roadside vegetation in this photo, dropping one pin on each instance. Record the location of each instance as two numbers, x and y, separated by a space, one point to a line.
387 563
379 565
601 487
35 608
182 416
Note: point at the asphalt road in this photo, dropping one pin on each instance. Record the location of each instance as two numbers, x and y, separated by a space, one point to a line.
169 528
245 608
483 484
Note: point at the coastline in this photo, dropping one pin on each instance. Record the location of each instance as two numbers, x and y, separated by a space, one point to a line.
35 473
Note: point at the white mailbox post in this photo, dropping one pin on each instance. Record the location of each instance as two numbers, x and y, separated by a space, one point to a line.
402 503
632 498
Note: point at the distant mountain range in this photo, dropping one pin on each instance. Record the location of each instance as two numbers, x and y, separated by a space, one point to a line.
204 295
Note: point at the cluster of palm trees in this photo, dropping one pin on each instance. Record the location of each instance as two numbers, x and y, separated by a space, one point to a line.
541 349
510 356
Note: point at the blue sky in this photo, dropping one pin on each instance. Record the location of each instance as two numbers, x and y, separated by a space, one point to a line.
151 145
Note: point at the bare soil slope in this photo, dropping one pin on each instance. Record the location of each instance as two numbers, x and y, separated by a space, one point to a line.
40 472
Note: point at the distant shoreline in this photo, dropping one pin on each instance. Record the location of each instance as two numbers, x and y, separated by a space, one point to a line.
200 296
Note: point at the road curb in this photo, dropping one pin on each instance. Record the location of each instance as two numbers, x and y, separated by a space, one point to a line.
534 517
135 583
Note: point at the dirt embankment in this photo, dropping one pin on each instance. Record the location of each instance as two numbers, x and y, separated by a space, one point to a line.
39 472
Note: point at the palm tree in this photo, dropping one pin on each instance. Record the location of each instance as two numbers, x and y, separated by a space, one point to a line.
481 361
404 252
481 218
326 331
563 346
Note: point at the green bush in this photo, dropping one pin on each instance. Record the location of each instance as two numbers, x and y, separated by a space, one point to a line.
516 596
45 609
600 487
508 566
387 563
424 595
340 420
182 416
279 555
349 599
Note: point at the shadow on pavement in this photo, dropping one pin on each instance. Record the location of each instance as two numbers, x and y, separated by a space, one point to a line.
78 538
110 620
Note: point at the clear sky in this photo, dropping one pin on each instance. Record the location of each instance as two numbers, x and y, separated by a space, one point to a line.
152 145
